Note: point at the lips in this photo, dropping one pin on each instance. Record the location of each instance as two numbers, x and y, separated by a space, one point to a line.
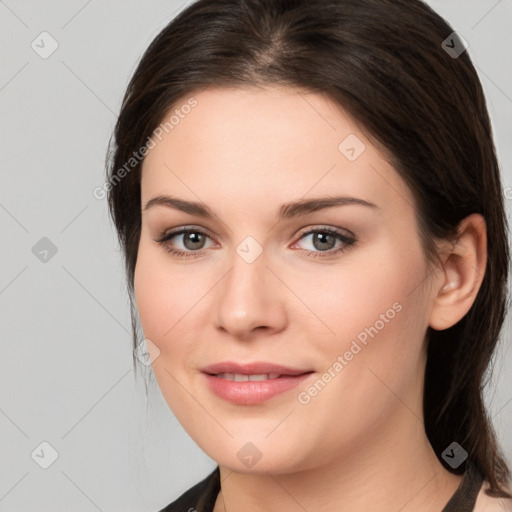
253 383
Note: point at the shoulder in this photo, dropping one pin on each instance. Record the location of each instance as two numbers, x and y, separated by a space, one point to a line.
199 498
486 503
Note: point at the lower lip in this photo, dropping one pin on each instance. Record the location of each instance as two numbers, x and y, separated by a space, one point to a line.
252 392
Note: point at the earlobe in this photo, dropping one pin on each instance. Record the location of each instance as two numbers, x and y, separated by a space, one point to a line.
462 274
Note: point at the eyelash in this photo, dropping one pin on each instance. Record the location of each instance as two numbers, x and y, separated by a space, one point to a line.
347 240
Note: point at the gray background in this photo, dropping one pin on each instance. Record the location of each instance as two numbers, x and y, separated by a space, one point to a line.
65 364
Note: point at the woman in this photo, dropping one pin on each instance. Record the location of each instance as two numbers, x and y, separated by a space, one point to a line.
310 208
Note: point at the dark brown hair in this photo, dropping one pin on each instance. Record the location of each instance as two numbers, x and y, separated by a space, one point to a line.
384 63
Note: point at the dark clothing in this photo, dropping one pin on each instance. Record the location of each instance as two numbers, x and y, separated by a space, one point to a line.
202 496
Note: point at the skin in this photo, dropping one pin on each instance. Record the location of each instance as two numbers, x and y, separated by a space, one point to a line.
244 153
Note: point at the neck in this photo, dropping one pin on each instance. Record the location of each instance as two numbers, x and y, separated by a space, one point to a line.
388 469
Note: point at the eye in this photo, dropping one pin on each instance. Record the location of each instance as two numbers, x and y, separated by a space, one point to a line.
192 240
323 242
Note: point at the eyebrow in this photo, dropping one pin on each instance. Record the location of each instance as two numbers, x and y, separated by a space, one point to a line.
287 210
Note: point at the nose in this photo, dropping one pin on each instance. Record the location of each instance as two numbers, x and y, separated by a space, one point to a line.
250 298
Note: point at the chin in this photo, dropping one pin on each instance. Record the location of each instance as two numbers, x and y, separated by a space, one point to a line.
248 457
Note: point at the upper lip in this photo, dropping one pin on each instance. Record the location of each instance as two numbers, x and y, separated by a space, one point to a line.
256 368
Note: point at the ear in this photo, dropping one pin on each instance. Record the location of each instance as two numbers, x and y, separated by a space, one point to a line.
463 270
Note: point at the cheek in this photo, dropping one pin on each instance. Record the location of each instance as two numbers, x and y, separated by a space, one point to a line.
361 294
376 315
150 296
165 302
172 302
162 297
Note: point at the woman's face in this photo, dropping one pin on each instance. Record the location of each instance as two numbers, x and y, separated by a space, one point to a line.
260 282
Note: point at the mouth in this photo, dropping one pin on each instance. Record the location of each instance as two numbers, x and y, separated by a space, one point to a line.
241 377
254 383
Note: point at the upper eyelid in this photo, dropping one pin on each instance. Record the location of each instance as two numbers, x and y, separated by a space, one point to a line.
320 227
185 229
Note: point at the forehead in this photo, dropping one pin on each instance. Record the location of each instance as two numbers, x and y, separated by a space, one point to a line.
265 143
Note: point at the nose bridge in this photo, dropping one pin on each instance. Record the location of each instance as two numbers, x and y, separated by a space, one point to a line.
248 296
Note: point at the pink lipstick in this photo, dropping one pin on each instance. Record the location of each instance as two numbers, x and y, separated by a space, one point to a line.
253 383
